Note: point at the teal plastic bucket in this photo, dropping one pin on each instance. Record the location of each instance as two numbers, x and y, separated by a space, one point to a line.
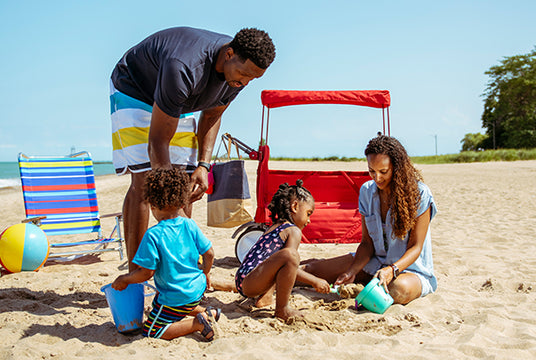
374 298
126 306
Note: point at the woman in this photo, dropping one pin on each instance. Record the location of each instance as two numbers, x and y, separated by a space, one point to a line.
396 209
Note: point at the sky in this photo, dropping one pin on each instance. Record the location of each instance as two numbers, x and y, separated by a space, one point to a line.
57 57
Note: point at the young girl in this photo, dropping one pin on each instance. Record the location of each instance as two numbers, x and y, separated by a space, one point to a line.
170 251
396 210
273 262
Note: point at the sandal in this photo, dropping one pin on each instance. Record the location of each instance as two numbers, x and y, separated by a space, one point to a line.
209 313
208 331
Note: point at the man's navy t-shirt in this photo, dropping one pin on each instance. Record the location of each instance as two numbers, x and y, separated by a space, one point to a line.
176 69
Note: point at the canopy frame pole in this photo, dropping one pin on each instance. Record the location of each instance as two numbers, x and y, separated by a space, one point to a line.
383 117
267 124
262 124
388 123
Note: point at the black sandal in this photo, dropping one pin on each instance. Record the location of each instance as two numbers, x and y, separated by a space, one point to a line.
209 313
207 328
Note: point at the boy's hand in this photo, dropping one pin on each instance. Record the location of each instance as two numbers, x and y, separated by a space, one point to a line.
321 286
119 283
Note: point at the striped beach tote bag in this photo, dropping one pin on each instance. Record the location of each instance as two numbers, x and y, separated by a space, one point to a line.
227 203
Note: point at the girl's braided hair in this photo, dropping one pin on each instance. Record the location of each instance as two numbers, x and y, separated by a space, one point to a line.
405 194
283 198
165 188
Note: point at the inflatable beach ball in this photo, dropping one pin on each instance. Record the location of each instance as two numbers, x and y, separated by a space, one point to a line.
23 247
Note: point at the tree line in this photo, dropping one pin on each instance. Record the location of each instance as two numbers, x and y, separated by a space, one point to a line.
509 116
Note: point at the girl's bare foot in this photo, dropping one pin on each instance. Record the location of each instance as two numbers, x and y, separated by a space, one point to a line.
266 299
287 312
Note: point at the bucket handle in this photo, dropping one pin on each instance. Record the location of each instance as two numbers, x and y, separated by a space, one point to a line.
149 286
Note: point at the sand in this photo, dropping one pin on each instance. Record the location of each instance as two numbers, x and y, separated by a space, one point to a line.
484 245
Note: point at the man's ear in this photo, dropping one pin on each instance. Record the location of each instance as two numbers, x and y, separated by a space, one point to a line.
229 53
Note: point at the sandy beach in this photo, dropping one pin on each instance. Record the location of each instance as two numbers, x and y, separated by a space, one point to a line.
484 246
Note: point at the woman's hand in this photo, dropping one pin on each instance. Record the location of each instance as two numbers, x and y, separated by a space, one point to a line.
345 278
385 275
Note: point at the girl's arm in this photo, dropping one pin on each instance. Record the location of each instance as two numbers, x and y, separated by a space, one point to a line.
139 275
415 243
363 254
208 260
320 285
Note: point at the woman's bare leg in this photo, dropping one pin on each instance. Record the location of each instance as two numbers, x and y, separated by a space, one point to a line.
329 269
405 288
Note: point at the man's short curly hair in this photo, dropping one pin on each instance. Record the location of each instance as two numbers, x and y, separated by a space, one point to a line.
255 45
167 188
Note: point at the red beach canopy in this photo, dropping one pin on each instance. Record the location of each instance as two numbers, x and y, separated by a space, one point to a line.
370 98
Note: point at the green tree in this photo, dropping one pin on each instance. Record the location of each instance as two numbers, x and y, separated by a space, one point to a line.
474 142
509 115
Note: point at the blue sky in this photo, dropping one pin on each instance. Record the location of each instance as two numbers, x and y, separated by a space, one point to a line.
57 57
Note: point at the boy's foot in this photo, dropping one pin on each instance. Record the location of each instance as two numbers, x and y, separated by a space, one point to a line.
287 312
208 331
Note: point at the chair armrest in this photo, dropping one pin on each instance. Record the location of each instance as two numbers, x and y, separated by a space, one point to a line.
35 220
119 215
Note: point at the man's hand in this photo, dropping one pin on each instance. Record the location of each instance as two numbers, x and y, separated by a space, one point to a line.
198 183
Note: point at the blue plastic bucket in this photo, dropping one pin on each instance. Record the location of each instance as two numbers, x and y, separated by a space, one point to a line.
126 306
374 298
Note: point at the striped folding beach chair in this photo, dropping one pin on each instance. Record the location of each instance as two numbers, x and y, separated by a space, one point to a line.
60 197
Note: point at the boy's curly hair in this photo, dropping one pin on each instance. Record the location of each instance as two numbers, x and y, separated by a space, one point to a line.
165 188
255 45
283 198
405 194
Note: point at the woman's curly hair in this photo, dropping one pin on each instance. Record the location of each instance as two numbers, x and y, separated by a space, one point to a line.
255 45
167 188
283 198
405 194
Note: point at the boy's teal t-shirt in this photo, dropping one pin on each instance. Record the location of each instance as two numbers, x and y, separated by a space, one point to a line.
172 248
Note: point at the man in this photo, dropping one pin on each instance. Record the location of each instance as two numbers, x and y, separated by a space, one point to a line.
156 86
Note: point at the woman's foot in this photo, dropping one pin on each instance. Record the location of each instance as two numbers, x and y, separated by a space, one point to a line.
222 285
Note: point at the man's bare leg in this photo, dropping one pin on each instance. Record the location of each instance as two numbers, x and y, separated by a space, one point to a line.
135 216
